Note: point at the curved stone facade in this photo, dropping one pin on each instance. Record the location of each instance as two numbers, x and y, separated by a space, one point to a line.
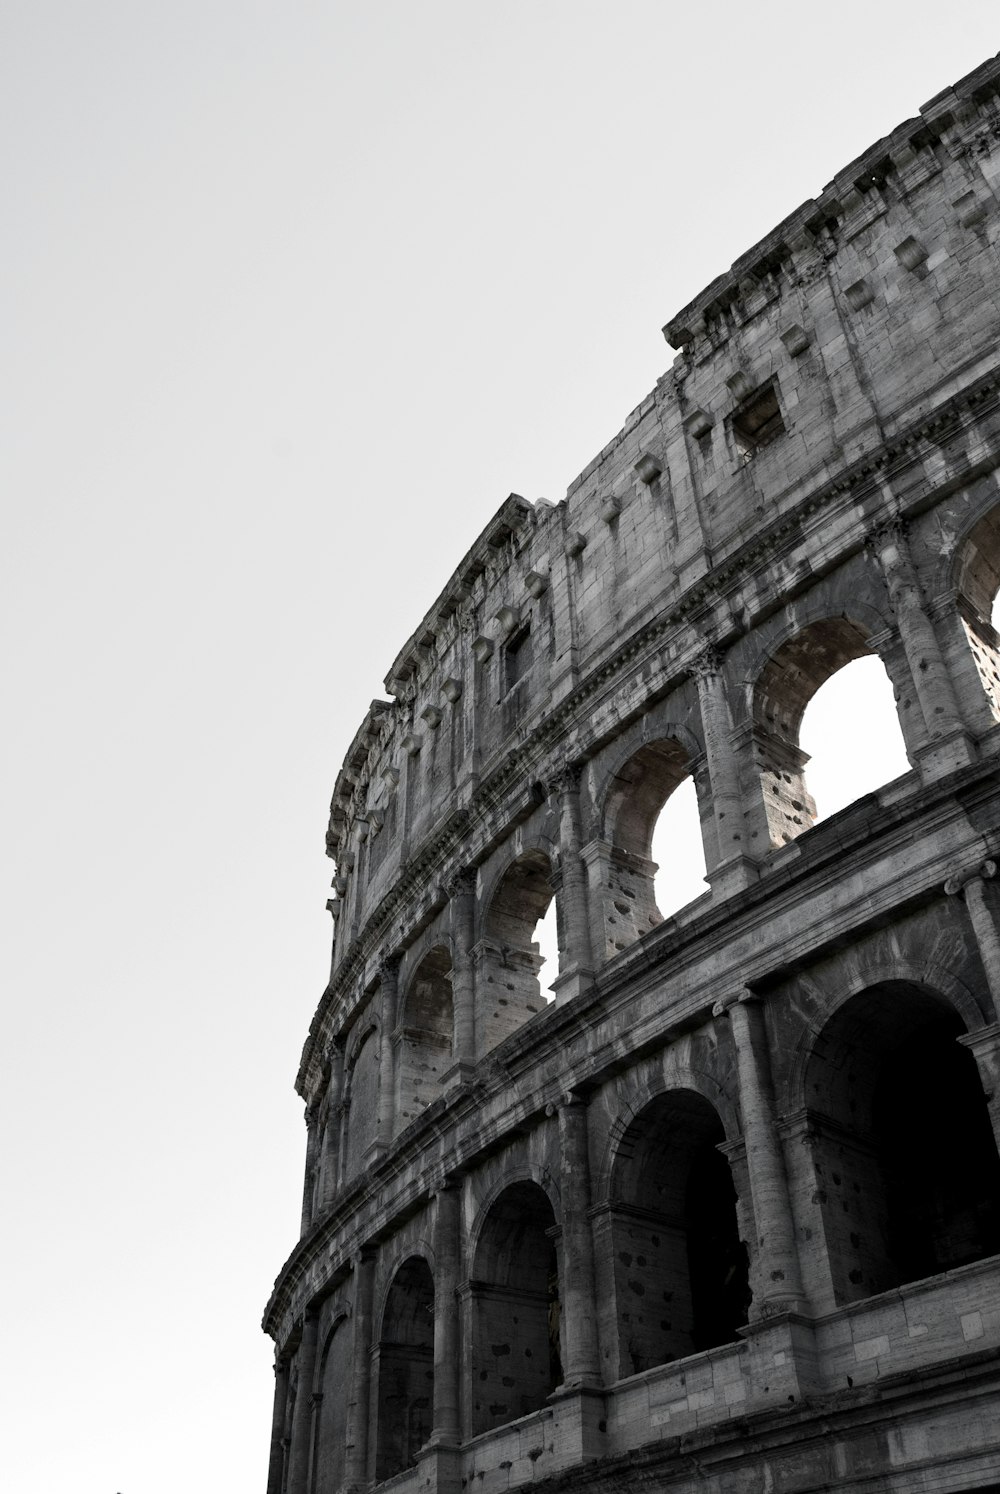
725 1212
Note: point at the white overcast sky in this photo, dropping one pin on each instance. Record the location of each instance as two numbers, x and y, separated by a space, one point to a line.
294 295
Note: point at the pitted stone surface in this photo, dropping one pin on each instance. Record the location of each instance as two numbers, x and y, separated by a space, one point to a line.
727 1209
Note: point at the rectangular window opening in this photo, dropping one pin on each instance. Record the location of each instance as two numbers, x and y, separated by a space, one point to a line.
757 422
517 658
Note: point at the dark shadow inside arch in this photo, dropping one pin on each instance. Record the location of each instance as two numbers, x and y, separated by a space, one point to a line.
907 1172
680 1268
405 1369
331 1417
516 1360
789 683
425 1035
651 795
509 991
978 585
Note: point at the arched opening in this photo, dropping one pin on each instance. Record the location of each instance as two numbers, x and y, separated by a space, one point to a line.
512 959
331 1422
656 858
838 772
907 1172
546 936
978 588
678 851
425 1036
516 1361
680 1268
846 760
405 1369
362 1103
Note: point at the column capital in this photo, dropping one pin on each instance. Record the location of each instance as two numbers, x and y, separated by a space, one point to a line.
334 1048
565 778
707 662
889 532
388 965
958 881
461 883
746 997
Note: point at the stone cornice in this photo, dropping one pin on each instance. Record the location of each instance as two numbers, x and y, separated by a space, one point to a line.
845 204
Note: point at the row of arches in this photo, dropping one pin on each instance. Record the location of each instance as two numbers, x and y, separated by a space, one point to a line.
651 862
897 1178
652 838
847 622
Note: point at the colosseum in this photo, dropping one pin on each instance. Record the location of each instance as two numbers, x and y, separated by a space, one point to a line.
721 1210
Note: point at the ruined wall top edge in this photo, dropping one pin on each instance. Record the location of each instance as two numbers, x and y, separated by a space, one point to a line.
831 345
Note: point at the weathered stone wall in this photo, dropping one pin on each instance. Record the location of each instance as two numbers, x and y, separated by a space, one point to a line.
727 1209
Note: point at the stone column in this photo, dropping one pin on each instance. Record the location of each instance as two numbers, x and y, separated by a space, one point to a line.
447 1358
358 1410
777 1264
972 886
330 1167
949 746
984 1044
576 969
312 1137
299 1453
462 913
275 1465
389 1015
733 868
583 1365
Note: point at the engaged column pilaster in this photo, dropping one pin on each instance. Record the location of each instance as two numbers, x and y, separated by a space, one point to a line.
389 1009
578 1288
733 869
447 1253
778 1278
462 913
949 745
298 1469
576 969
984 1044
275 1467
356 1462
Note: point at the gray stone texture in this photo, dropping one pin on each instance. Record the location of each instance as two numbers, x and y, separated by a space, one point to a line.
725 1214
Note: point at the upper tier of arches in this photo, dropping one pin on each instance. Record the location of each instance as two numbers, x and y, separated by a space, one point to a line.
728 731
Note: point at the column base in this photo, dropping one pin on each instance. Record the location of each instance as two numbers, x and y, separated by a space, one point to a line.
375 1151
782 1359
572 983
946 755
459 1073
440 1464
732 876
579 1422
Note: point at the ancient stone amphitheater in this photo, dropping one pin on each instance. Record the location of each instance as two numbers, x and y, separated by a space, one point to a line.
722 1214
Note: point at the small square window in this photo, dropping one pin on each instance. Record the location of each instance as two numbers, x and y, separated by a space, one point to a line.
757 422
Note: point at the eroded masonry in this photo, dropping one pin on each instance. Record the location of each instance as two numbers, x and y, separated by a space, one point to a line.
725 1213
